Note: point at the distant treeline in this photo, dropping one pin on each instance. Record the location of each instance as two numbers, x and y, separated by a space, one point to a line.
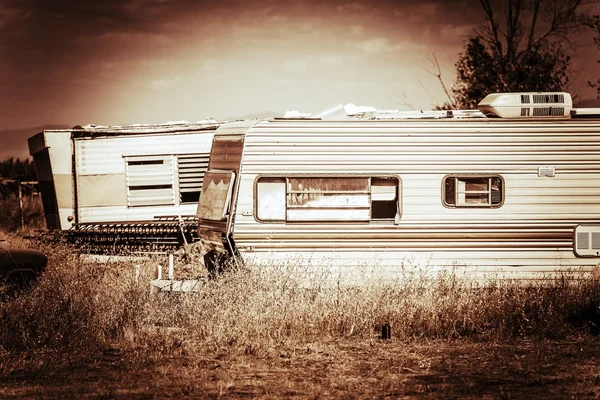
15 168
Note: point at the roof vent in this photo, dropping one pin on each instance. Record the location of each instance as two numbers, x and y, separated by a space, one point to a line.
528 104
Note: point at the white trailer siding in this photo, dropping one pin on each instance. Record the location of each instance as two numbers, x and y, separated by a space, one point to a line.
531 232
108 168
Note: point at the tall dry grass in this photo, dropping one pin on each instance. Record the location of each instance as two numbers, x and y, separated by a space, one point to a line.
84 305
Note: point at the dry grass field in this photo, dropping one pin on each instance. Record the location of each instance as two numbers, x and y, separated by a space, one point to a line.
95 330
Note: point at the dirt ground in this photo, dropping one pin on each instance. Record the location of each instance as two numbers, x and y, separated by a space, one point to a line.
343 369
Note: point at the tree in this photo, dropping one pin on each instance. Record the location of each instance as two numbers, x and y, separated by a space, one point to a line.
594 23
23 170
520 47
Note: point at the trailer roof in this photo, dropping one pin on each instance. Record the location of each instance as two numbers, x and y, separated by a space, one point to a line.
91 130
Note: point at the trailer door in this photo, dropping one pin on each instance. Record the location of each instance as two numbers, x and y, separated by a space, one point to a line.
217 201
213 209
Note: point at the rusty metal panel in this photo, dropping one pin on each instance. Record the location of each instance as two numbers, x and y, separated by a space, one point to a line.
216 195
226 153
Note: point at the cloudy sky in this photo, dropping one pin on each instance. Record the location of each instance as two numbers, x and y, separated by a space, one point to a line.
151 61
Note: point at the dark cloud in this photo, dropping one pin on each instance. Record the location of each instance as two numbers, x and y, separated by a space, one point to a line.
63 58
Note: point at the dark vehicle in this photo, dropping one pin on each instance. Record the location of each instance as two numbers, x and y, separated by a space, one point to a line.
19 269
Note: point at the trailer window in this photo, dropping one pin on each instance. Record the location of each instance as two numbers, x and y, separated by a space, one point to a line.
384 198
587 241
216 194
297 199
149 180
473 191
271 192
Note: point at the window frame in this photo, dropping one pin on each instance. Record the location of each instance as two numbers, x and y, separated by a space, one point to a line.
459 176
591 231
286 178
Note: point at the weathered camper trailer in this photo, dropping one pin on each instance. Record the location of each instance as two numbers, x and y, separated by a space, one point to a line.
517 195
128 184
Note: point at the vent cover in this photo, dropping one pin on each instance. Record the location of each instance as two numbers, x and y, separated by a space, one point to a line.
529 104
548 98
548 111
548 172
191 170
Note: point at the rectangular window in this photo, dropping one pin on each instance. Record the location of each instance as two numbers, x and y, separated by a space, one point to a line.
191 170
297 199
216 195
473 191
271 194
149 180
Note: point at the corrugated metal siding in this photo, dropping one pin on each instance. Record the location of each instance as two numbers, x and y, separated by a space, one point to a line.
227 153
104 155
533 228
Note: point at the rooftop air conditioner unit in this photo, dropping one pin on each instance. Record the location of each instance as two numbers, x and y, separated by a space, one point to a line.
527 104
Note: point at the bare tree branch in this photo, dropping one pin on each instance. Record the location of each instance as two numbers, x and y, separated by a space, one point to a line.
438 75
406 102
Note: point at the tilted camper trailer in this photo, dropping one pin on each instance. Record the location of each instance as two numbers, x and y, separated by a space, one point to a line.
133 184
518 195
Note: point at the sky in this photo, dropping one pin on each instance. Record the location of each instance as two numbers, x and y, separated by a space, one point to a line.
115 62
